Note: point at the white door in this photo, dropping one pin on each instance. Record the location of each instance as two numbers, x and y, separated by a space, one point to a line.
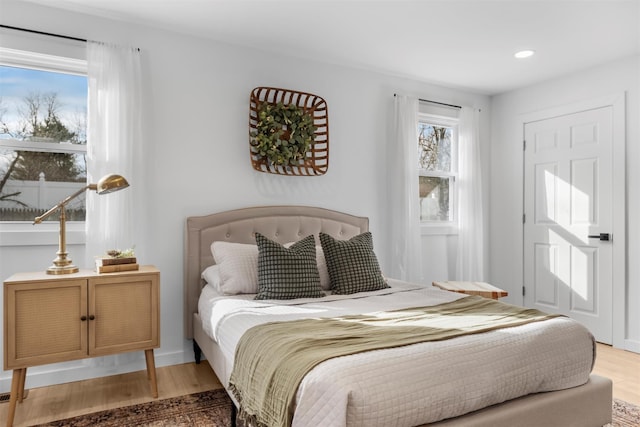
568 216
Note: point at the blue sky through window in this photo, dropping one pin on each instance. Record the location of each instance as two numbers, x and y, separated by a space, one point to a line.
16 83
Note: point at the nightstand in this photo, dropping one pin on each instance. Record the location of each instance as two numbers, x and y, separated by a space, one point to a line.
57 318
472 288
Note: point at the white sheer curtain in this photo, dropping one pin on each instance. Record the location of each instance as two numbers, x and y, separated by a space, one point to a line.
404 196
470 257
114 145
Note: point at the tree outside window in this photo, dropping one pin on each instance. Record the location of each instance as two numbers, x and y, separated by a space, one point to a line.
42 141
437 170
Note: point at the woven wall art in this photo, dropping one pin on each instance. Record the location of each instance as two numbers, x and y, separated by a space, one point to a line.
288 132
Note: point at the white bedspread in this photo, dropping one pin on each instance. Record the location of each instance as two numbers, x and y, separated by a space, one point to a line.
416 384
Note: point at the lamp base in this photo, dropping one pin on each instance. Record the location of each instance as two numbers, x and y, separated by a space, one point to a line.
62 264
67 269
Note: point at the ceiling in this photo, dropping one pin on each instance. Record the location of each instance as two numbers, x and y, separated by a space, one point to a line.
465 44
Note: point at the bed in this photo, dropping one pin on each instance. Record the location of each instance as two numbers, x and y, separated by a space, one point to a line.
380 392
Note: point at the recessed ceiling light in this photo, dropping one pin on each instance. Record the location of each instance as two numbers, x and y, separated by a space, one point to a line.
524 54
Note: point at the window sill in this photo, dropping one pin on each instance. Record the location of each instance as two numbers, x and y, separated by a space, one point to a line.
438 229
27 234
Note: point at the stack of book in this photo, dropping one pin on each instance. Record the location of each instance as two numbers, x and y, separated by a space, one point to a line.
112 265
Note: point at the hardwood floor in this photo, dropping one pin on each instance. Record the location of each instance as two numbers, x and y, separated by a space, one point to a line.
57 402
68 400
623 367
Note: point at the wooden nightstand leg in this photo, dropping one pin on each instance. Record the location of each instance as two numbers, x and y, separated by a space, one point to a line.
23 379
151 372
15 394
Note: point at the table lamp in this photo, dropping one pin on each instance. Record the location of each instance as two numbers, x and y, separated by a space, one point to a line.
107 184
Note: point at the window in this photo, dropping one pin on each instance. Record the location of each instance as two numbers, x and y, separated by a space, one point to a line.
437 149
43 109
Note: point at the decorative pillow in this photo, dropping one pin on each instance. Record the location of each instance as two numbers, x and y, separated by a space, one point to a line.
352 264
211 275
238 264
287 273
321 262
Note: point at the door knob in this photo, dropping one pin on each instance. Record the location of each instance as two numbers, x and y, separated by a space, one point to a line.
602 236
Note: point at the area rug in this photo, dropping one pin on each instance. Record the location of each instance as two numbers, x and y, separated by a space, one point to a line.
625 414
206 409
213 409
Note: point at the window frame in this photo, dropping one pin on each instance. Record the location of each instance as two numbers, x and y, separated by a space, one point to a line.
449 227
23 233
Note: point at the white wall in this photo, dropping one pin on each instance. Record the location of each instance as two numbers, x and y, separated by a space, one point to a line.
507 175
198 157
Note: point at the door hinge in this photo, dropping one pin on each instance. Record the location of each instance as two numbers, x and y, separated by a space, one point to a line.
524 218
524 145
523 291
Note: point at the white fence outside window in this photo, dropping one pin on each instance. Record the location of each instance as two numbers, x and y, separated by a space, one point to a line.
39 196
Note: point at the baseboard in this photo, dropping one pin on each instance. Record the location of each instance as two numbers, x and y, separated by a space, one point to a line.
632 345
78 370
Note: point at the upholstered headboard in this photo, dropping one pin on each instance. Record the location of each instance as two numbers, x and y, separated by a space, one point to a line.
282 224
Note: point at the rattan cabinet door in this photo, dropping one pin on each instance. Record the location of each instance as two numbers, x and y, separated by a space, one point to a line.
124 313
45 322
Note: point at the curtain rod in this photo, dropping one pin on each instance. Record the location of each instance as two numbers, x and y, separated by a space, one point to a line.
44 33
436 102
61 36
439 103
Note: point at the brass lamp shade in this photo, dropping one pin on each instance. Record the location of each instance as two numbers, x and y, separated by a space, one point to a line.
107 184
111 183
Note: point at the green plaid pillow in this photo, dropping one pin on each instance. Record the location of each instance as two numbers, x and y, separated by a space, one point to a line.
352 264
287 273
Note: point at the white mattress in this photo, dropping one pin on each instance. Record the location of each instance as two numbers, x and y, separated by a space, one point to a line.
415 384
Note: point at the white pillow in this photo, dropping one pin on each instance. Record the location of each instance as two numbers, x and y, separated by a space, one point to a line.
325 283
238 263
211 275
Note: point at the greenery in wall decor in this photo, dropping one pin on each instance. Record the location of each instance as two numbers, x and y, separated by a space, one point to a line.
288 132
283 134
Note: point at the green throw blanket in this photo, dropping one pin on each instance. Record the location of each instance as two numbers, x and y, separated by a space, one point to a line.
271 359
